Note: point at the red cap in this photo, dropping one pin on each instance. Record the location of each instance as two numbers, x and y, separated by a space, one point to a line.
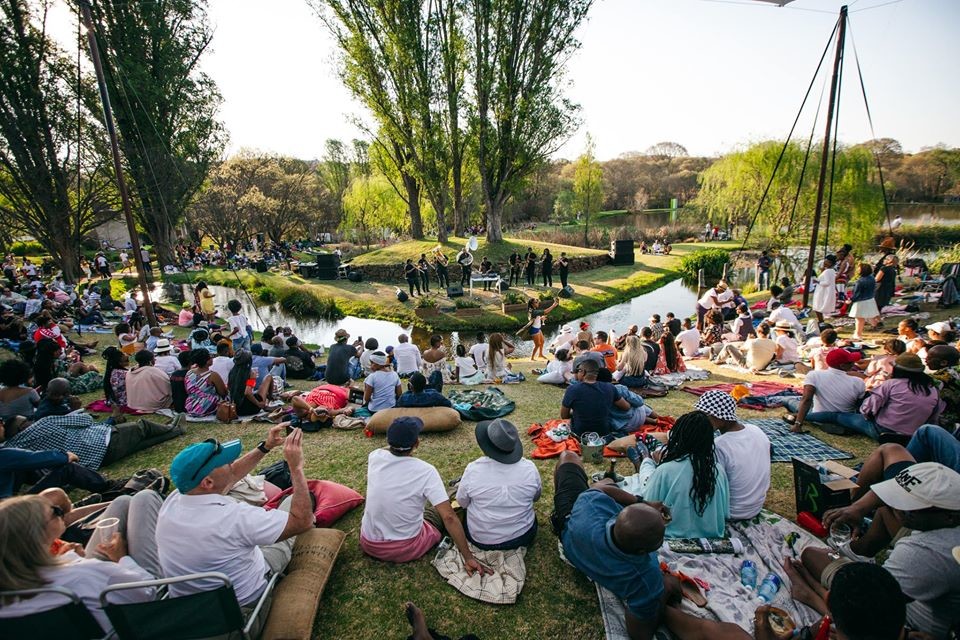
583 325
839 357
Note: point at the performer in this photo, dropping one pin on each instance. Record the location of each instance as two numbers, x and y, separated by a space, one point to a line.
411 273
536 316
423 267
440 262
563 265
531 259
464 259
486 267
546 268
515 267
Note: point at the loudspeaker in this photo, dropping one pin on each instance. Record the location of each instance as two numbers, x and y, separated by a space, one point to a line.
355 276
402 295
504 285
325 273
622 258
261 266
308 269
455 291
566 292
622 246
327 260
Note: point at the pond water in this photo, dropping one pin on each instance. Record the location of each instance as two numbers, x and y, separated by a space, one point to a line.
674 296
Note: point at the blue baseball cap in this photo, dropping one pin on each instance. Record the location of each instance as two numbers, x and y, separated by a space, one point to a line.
403 432
194 463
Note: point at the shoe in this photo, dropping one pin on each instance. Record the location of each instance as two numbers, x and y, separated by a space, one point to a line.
833 429
178 420
847 552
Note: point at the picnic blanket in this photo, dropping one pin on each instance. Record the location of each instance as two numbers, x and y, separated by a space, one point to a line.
102 406
757 390
546 447
674 380
501 587
481 404
787 445
764 539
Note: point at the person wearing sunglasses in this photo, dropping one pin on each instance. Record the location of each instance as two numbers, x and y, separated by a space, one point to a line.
199 529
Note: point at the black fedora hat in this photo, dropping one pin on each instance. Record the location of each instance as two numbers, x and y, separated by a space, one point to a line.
499 440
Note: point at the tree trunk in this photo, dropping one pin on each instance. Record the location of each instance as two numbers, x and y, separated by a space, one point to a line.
161 233
459 215
494 219
67 254
413 203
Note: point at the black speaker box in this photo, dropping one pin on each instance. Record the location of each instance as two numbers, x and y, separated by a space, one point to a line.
622 246
355 276
402 296
261 266
504 285
308 269
327 260
623 258
566 292
325 273
455 291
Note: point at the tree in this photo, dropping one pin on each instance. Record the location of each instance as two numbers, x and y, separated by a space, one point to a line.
587 186
667 150
231 202
518 52
371 205
296 198
163 104
334 172
54 177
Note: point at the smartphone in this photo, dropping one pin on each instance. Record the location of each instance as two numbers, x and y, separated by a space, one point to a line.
290 429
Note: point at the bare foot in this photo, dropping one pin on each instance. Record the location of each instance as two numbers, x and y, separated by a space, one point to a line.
800 589
417 620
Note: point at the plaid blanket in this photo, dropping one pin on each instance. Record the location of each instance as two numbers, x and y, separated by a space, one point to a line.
481 404
787 445
501 587
764 538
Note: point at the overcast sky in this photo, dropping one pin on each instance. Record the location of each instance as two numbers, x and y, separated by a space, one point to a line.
708 74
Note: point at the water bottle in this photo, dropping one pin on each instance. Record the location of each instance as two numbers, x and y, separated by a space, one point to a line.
768 588
748 574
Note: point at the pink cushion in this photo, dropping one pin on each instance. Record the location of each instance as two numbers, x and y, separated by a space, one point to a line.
333 500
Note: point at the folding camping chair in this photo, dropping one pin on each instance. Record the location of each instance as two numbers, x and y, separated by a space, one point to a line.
935 284
69 621
197 615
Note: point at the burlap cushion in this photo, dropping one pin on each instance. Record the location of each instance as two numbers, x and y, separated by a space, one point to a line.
297 596
434 418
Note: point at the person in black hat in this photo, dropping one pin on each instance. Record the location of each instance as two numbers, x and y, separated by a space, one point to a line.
396 527
498 490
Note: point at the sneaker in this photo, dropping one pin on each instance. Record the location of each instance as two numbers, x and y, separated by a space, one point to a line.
833 429
847 552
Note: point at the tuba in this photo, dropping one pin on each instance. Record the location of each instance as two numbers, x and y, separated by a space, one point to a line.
471 245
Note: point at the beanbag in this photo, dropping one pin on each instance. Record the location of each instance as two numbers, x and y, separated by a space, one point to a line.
297 595
434 418
332 500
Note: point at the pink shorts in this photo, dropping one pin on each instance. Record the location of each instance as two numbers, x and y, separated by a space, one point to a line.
402 550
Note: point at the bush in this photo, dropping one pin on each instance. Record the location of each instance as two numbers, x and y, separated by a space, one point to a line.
28 248
265 295
949 255
514 297
925 236
466 303
303 303
712 261
426 302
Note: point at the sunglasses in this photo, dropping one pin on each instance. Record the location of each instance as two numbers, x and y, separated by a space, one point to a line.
57 511
216 450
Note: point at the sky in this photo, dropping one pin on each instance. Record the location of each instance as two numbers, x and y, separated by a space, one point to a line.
712 75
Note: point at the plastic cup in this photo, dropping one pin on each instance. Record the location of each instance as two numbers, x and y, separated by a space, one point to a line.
106 527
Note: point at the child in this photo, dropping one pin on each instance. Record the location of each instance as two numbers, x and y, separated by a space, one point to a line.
559 370
238 327
880 368
465 367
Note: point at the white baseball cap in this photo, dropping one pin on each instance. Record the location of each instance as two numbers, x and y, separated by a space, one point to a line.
921 486
939 327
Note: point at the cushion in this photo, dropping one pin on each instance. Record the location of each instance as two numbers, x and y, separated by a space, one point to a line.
332 500
297 595
434 418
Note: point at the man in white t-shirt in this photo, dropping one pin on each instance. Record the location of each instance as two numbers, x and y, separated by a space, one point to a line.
710 300
199 529
689 339
780 313
407 356
395 526
498 490
222 362
754 354
479 352
744 452
831 397
564 340
166 361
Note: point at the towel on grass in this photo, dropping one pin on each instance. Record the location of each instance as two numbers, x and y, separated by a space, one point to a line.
674 380
501 587
481 404
765 539
757 389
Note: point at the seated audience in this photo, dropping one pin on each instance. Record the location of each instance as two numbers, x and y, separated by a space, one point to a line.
498 490
669 359
712 335
178 389
49 363
623 422
689 339
434 364
588 403
418 394
788 350
56 400
943 361
830 397
371 345
249 397
204 386
17 397
340 360
166 360
322 404
632 369
754 354
652 347
382 387
148 388
407 356
783 313
602 346
115 379
223 361
879 368
465 369
396 527
479 352
185 317
498 348
910 398
559 370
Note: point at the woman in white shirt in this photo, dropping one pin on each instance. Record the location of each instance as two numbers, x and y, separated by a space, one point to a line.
465 367
29 527
498 350
382 387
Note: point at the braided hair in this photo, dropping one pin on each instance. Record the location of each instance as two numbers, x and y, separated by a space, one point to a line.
692 438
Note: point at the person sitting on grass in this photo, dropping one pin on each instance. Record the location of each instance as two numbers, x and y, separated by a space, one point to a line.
830 398
148 388
382 387
300 365
321 404
559 370
115 379
498 490
465 369
17 396
921 501
56 400
879 368
943 361
612 537
204 386
340 369
178 389
639 413
396 527
743 450
788 349
688 339
632 369
754 354
910 398
419 395
687 479
588 403
248 397
669 360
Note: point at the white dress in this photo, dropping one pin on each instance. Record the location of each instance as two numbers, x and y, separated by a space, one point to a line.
825 295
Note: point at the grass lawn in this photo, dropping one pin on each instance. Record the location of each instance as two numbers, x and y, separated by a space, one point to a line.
364 597
595 289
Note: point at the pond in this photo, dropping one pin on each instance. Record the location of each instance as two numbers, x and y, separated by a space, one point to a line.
674 296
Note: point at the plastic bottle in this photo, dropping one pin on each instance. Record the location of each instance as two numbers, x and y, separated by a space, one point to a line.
768 588
811 523
748 575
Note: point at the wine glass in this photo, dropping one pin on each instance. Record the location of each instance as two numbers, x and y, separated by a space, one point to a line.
840 534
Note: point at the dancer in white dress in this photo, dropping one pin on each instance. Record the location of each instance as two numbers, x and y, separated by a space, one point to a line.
825 295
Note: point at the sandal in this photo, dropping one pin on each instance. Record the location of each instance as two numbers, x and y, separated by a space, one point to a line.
790 419
691 588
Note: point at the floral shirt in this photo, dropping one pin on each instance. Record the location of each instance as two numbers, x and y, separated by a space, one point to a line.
949 379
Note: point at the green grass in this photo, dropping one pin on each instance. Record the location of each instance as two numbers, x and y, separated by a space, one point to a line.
497 252
364 597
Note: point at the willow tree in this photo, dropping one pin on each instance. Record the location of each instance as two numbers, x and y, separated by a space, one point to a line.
54 173
164 106
587 186
518 53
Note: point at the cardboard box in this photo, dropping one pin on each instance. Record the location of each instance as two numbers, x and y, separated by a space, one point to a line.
815 496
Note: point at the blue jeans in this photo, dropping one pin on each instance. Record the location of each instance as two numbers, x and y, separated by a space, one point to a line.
933 443
850 421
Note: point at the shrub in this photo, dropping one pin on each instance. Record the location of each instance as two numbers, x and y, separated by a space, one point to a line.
426 302
514 297
28 248
304 303
925 236
949 255
711 261
265 295
466 303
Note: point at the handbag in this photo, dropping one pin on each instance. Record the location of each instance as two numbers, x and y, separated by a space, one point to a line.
226 411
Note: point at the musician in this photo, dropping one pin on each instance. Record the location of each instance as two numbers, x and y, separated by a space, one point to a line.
486 267
563 266
440 262
465 259
412 274
516 266
546 268
531 259
423 269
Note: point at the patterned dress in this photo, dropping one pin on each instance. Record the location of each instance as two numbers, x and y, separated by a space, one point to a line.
202 398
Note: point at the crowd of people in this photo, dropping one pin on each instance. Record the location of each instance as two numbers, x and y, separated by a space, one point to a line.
709 470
